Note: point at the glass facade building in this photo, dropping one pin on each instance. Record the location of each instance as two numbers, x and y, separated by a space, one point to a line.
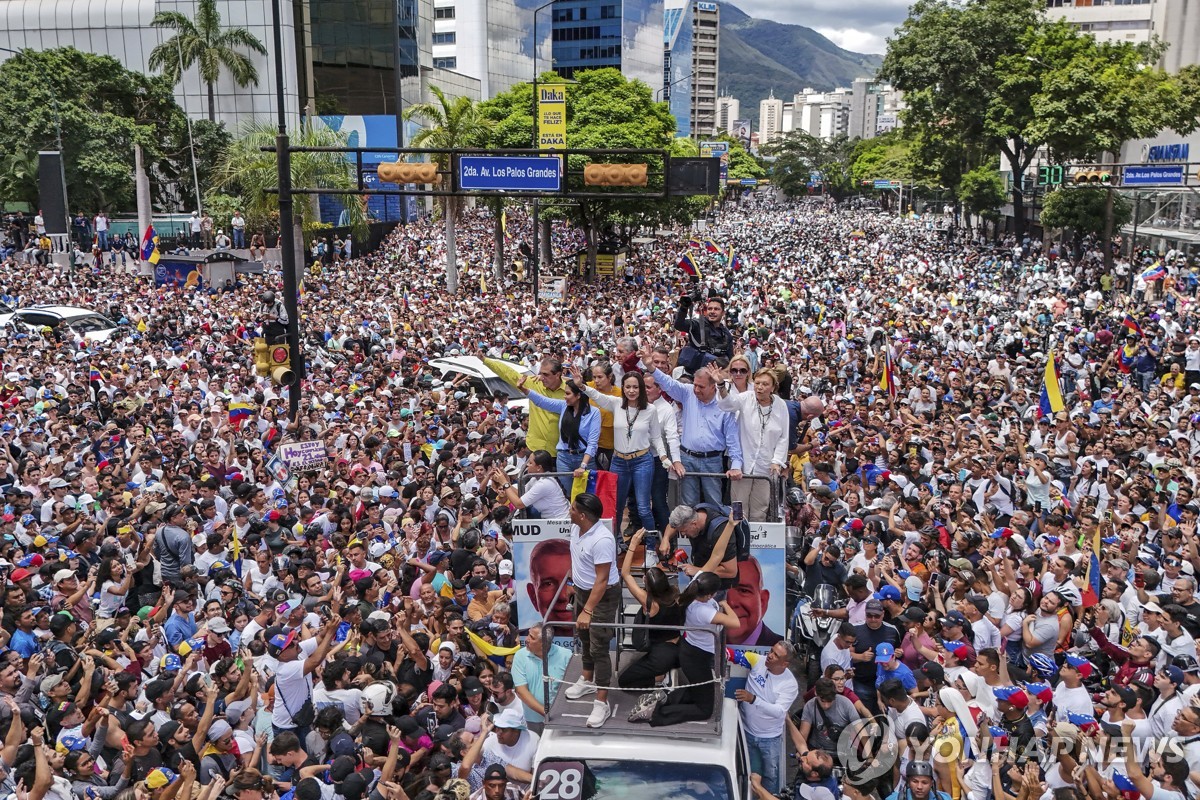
678 75
626 34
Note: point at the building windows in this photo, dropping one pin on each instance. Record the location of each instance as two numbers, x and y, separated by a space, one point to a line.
449 37
609 12
444 13
580 34
564 15
445 63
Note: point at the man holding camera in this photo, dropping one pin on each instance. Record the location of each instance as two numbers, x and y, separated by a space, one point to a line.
707 337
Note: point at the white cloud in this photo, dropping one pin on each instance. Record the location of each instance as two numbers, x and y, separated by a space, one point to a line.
855 40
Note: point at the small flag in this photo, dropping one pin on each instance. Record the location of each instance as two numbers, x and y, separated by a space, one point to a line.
1131 323
689 266
240 411
742 658
1125 355
735 260
1051 401
887 381
94 376
150 245
504 223
1091 595
711 246
695 244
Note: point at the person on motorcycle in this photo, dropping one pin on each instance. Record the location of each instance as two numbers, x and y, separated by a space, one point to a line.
918 784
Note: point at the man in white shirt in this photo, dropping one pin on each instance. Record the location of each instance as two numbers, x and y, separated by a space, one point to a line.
838 649
770 691
297 660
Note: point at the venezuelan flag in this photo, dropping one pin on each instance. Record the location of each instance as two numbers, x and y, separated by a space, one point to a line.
711 246
94 376
735 260
1091 595
150 245
1051 401
1131 323
887 381
694 244
504 224
240 411
689 266
1156 272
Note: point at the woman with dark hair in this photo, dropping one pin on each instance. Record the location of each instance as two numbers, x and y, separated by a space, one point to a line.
659 599
638 441
578 429
697 653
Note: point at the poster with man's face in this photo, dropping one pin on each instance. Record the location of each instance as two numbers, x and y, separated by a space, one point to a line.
541 562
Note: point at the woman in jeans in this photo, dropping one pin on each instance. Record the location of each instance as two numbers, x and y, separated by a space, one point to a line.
637 440
578 429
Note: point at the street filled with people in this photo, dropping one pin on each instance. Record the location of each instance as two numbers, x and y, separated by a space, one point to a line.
984 452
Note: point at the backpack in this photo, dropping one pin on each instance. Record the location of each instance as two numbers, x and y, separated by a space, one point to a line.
741 534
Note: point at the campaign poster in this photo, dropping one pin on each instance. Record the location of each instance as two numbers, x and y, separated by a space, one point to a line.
541 561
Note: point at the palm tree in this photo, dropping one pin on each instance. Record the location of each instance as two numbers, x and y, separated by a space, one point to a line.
246 170
203 42
451 124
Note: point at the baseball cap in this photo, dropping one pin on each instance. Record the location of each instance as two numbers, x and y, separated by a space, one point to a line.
874 606
49 682
1174 674
506 567
953 618
19 574
495 772
218 625
888 592
280 641
1086 667
63 574
160 777
1012 694
510 718
234 711
884 652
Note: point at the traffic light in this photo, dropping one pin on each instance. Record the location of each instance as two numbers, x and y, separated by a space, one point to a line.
615 174
404 172
1091 176
262 363
279 364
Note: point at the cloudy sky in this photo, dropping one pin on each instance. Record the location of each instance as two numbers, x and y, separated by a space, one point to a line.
858 25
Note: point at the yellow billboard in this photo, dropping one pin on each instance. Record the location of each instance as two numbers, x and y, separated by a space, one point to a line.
552 116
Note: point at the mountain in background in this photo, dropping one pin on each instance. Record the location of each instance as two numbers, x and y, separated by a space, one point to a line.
759 55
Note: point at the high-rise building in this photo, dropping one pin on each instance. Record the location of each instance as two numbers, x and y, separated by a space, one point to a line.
626 34
678 75
728 110
490 40
874 109
770 119
822 114
706 42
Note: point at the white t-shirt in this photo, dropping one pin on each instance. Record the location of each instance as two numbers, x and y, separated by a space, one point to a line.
545 496
520 755
346 699
701 613
1076 701
589 549
292 686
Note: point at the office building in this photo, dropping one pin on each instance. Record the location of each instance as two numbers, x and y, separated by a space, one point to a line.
874 109
626 34
1175 22
729 109
678 75
770 119
491 41
706 43
822 114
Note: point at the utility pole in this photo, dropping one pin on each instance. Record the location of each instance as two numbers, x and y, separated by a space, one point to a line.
287 231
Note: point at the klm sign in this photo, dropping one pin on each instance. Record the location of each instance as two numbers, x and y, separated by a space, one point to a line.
1168 152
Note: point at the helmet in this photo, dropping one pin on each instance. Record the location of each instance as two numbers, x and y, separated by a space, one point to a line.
267 297
377 699
281 563
1044 664
918 769
795 497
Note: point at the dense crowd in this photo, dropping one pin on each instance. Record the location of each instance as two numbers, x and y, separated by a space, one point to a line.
179 622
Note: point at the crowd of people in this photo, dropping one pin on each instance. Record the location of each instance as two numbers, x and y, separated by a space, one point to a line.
1016 575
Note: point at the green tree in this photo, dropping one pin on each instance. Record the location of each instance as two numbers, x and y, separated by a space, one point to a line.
245 170
742 163
450 124
100 110
982 192
204 43
886 157
799 154
967 83
1085 211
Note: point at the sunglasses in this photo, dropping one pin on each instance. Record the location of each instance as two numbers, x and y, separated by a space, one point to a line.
738 371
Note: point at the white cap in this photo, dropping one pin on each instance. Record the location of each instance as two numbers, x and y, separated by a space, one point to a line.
63 574
506 567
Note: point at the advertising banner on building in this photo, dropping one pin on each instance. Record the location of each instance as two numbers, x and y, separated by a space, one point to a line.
552 116
741 132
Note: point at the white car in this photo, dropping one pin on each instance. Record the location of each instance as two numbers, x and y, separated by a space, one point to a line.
483 380
90 325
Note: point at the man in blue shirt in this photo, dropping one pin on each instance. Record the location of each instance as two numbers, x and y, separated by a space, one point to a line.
182 622
708 434
23 640
527 673
888 666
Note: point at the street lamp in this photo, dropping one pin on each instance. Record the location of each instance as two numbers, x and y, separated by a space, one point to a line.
663 91
535 266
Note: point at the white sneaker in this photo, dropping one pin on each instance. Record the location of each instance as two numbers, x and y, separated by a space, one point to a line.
601 711
581 689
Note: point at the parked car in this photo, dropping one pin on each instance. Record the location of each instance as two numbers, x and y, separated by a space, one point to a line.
86 323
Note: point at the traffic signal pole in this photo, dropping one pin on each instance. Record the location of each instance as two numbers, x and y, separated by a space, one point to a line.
287 230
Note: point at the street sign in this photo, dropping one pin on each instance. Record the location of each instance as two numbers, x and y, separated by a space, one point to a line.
749 182
1150 176
883 184
303 456
510 173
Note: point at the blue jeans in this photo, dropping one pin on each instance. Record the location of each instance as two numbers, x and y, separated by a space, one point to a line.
102 240
695 490
567 462
239 238
658 496
766 759
636 474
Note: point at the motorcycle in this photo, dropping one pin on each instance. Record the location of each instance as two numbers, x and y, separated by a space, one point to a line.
809 632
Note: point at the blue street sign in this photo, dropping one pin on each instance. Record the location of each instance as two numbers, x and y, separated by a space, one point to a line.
749 182
510 173
1150 176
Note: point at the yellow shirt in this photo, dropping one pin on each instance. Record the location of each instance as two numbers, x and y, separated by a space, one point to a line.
606 419
543 425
